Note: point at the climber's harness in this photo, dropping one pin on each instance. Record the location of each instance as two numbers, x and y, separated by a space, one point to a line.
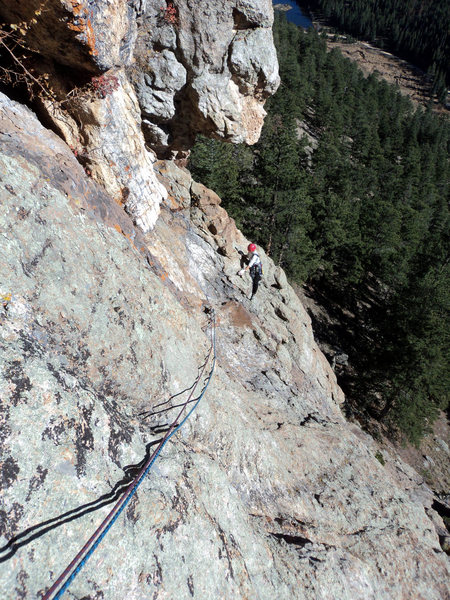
256 269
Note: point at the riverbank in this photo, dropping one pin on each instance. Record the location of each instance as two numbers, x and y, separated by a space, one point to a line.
411 80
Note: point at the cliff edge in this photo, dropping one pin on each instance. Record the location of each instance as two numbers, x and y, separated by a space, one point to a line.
122 80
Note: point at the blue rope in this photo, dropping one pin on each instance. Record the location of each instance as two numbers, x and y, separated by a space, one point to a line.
84 560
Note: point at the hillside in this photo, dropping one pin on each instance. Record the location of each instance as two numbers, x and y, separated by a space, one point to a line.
410 80
416 31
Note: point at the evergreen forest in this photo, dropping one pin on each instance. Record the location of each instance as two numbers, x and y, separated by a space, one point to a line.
347 190
416 30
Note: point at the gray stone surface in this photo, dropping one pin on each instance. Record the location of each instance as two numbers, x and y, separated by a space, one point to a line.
157 86
253 61
227 53
266 492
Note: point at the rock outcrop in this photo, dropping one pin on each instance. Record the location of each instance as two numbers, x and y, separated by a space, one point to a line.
127 78
266 492
204 71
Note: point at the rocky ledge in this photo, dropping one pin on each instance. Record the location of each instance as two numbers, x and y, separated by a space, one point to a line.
266 491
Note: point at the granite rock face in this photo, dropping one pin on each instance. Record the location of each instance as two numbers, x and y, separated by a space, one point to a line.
265 492
132 77
105 134
204 70
81 35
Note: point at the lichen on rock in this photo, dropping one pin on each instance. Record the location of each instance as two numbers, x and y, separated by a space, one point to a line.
266 492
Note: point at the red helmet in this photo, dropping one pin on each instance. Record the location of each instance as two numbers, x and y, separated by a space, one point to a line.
251 247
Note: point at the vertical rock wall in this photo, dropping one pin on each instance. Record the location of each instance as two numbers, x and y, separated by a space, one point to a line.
204 70
132 78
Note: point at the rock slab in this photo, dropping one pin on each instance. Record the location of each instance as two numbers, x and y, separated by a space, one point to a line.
266 492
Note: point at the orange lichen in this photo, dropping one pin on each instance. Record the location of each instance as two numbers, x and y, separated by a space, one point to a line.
77 8
119 229
83 25
130 239
78 28
90 38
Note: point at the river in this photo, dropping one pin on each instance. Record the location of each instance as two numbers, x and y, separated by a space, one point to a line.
295 15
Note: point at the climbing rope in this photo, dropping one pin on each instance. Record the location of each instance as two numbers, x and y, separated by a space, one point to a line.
70 572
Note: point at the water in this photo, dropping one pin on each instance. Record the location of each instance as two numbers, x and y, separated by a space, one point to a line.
295 15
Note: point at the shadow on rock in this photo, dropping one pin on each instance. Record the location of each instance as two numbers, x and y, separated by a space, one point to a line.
36 531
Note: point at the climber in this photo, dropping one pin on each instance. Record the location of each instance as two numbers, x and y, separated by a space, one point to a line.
252 263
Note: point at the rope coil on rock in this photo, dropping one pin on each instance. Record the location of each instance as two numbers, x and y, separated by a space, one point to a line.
70 572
